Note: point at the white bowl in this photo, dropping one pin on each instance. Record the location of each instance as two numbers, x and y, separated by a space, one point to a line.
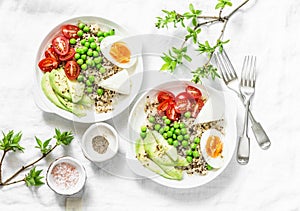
100 129
72 189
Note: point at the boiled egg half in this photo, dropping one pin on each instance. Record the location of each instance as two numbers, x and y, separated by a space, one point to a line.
213 148
118 51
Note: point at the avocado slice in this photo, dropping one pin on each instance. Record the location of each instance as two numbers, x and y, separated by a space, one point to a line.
86 101
76 109
48 91
170 150
59 83
76 90
156 151
146 162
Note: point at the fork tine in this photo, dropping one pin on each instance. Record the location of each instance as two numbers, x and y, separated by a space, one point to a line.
243 74
253 76
229 64
221 67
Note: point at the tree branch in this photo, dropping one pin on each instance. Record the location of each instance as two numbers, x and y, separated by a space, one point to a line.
2 158
236 9
14 182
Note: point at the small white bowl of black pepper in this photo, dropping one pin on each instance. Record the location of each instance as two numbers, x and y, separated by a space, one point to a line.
100 142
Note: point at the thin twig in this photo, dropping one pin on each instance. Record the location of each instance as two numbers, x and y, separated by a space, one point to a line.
207 17
236 9
14 182
27 166
2 158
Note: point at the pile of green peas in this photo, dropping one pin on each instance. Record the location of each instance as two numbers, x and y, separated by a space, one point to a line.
88 54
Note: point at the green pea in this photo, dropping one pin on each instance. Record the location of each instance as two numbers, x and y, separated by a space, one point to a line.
93 45
72 41
91 78
196 140
189 152
88 83
100 39
100 34
80 61
189 159
100 92
112 32
143 135
177 131
165 135
83 57
102 70
196 154
170 141
80 33
78 50
93 64
151 119
143 128
180 138
91 39
90 52
187 114
157 127
161 131
172 129
89 90
81 25
89 62
98 66
174 136
186 137
167 128
82 50
185 143
170 134
167 121
106 34
82 42
164 117
98 48
77 56
86 29
80 78
176 125
182 125
175 143
183 131
98 60
193 146
209 167
83 66
95 54
87 44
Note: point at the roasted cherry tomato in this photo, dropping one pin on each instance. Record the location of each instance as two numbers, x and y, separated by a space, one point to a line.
171 113
182 105
163 106
183 96
70 31
197 107
60 45
72 70
50 53
48 64
68 56
193 91
165 95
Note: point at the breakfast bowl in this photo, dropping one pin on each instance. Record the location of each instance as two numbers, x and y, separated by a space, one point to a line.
66 176
100 142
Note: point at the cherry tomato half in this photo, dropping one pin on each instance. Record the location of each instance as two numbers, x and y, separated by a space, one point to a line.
60 45
68 56
182 105
48 64
70 31
50 53
197 108
72 70
163 106
165 95
193 91
172 114
183 96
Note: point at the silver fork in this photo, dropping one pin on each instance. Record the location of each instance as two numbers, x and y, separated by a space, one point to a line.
247 88
230 78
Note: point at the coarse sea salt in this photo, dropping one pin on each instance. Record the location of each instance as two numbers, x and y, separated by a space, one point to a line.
65 175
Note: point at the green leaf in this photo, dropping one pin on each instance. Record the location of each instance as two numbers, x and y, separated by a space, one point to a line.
165 66
64 138
10 141
33 178
191 7
189 59
38 141
218 6
46 143
194 21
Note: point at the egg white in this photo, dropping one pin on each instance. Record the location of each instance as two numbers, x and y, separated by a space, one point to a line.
219 161
105 47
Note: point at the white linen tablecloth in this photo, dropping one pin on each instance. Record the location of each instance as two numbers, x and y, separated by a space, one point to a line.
267 29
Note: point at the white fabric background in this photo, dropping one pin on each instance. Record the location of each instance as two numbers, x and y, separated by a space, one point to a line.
270 181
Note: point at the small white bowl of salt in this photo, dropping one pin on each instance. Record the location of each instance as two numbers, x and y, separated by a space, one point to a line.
100 142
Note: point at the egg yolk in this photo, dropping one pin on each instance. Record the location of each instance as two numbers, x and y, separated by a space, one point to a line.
214 146
120 52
